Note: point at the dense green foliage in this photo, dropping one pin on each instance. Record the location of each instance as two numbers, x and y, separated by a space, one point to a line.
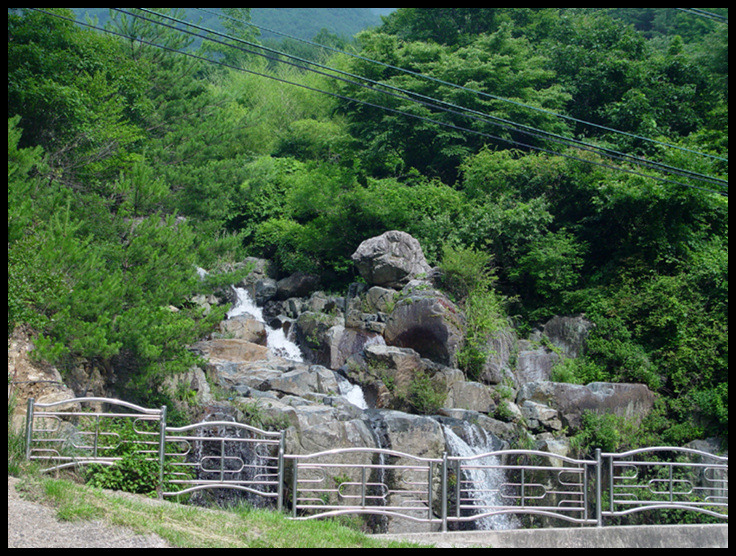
130 165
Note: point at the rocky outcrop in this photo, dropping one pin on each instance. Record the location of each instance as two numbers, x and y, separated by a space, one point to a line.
570 401
394 340
568 334
425 320
30 379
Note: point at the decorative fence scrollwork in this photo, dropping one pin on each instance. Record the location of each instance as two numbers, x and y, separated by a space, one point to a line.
665 478
491 489
225 455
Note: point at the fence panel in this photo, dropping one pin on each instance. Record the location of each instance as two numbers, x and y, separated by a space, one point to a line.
496 487
366 481
224 455
664 478
83 431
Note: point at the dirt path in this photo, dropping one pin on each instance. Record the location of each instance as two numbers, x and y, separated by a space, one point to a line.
33 525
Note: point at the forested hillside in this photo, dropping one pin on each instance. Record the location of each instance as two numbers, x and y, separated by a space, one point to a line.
576 156
304 23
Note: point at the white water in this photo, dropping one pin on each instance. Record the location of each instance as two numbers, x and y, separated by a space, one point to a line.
279 344
276 339
352 393
486 481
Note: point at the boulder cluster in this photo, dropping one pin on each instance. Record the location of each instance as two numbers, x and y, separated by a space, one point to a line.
395 337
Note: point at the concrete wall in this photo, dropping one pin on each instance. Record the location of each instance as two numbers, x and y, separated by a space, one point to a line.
649 536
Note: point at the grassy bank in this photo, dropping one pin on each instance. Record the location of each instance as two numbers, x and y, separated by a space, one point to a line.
191 527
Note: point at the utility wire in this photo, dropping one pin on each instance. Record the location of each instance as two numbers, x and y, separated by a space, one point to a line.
703 13
412 96
467 89
343 97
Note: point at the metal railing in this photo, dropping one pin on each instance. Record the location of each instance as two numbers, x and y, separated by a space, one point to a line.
75 432
364 481
664 478
521 482
224 454
492 489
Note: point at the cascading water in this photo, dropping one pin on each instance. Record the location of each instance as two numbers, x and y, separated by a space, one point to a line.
352 393
486 481
281 345
277 340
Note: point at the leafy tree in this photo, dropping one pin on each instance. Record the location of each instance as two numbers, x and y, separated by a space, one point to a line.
71 87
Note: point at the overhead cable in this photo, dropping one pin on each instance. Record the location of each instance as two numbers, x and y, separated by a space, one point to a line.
467 89
366 103
412 96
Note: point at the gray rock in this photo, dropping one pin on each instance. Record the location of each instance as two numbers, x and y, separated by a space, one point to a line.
426 321
568 334
633 401
391 259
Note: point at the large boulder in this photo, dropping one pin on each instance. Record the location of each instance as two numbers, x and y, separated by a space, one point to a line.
245 327
298 284
534 363
391 260
633 401
425 320
231 349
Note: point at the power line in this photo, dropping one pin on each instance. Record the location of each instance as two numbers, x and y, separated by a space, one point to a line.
467 89
703 13
349 99
472 114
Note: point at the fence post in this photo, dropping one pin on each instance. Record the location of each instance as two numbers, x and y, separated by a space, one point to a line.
29 427
443 486
598 487
280 472
294 481
161 452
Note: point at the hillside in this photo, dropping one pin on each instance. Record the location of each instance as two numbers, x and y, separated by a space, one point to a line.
304 23
550 161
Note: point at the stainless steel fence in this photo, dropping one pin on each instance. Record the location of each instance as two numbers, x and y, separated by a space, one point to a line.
520 482
82 431
664 478
224 455
492 489
365 481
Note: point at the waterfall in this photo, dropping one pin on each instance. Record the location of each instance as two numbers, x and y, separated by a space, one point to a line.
276 338
486 482
282 346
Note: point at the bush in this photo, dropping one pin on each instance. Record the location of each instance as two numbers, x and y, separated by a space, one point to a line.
426 397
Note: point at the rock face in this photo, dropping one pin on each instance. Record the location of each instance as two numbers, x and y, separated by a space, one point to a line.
426 321
633 401
568 334
391 260
28 379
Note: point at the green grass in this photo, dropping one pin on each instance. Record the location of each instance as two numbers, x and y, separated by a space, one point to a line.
190 527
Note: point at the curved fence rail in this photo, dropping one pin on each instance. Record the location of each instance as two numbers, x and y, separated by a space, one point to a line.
224 455
666 478
491 489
